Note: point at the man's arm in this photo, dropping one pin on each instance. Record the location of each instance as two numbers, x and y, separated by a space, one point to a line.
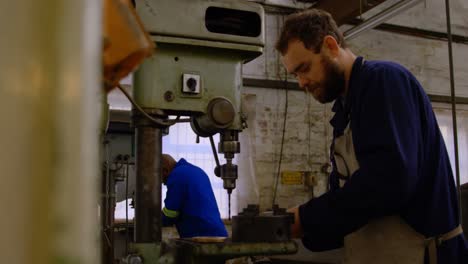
296 227
386 135
175 196
169 217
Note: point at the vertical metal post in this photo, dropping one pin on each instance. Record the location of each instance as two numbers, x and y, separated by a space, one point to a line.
107 254
454 105
50 89
148 183
111 216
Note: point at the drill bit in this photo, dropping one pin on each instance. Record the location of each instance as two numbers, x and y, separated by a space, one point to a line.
229 204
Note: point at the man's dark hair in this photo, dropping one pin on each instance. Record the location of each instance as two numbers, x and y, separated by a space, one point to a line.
310 27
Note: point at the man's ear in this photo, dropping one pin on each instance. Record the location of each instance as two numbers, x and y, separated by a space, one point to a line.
164 175
330 46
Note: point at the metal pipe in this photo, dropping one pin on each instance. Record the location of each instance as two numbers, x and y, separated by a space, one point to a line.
380 18
148 184
415 32
454 105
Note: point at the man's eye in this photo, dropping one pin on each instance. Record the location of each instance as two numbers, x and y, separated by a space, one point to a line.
304 69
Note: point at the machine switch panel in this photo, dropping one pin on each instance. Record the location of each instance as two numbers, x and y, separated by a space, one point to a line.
191 83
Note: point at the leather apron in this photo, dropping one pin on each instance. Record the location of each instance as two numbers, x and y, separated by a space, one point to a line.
385 240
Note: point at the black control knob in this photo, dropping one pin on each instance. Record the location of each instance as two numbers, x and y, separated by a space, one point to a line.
192 84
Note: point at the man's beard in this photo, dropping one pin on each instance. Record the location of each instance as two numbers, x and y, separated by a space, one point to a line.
333 84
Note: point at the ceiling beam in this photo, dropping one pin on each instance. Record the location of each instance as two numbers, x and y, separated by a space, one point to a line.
343 11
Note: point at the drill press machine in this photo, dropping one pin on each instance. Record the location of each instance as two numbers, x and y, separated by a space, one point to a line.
196 72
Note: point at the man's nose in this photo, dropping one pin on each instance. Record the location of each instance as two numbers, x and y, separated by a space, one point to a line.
302 82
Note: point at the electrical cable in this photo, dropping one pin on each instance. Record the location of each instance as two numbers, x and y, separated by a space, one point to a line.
309 138
158 122
107 202
454 106
282 140
126 206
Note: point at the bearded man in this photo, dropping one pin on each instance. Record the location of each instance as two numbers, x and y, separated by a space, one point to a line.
392 197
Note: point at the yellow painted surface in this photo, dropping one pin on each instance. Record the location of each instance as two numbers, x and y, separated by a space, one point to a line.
292 177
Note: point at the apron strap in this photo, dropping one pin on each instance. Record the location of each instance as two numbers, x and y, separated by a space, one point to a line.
433 242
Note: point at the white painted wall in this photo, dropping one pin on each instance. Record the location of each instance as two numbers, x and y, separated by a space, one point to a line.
426 59
430 15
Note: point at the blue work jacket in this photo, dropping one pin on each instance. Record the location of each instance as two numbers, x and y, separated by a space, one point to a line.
190 203
404 168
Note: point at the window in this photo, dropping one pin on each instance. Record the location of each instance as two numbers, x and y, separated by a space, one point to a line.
181 143
444 118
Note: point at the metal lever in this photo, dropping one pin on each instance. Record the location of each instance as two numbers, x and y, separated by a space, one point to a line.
215 154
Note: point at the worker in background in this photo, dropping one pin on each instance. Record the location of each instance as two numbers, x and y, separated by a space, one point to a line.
190 203
392 196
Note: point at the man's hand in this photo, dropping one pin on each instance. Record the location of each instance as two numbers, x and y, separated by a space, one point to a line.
296 227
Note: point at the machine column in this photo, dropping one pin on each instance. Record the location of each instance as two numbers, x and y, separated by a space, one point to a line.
148 220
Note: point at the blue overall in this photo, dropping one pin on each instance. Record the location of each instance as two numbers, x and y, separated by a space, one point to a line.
190 203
